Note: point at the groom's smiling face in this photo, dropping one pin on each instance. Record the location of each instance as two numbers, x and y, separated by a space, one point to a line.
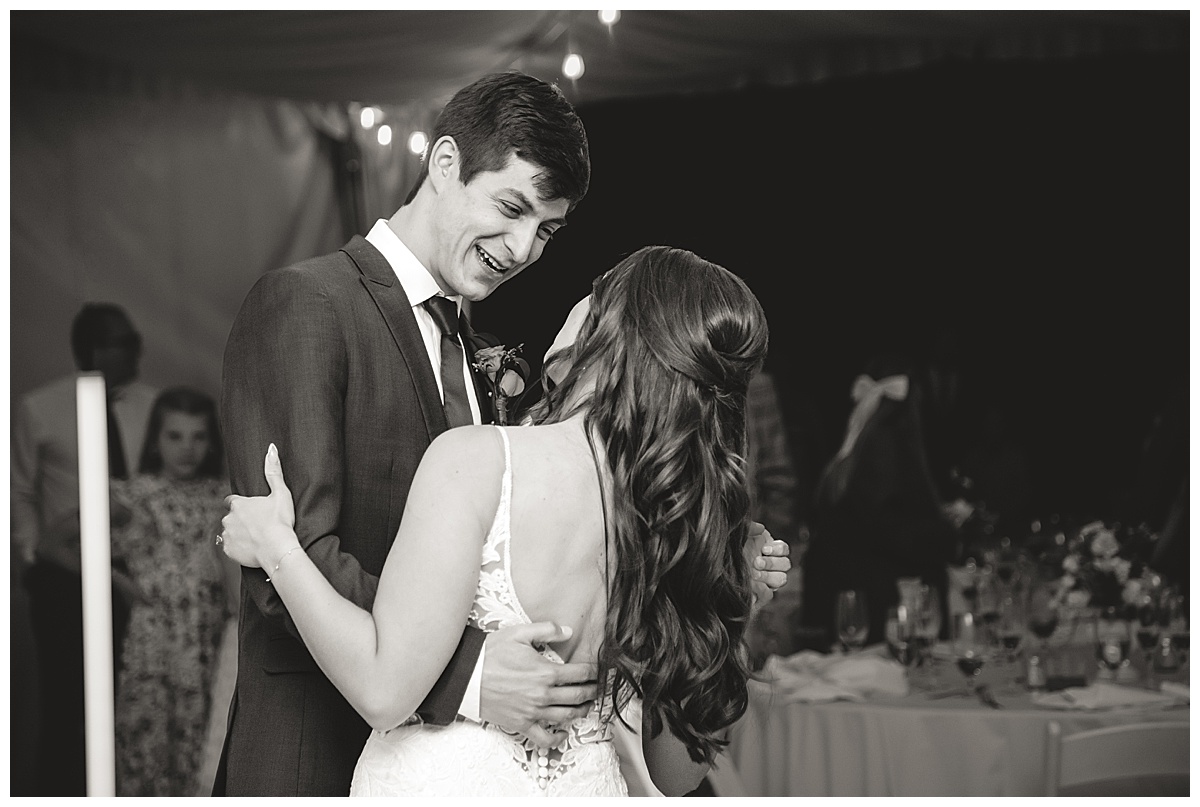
490 229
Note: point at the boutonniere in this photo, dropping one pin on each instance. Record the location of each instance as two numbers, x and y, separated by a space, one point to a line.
505 372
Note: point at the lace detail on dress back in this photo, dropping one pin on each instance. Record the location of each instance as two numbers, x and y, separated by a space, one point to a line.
498 606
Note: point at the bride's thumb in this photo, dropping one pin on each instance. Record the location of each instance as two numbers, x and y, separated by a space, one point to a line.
273 470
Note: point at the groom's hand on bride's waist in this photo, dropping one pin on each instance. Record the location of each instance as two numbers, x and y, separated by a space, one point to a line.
523 691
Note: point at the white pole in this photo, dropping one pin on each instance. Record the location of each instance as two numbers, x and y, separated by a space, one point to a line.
96 563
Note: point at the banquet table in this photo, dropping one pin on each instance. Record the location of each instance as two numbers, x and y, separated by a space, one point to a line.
911 745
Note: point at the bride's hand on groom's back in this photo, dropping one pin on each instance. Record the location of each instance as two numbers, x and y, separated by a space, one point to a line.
523 691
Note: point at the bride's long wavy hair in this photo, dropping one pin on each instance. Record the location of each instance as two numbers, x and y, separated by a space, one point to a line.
670 343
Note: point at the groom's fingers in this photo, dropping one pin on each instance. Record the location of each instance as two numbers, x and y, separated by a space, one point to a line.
540 633
777 547
577 672
574 695
561 715
543 738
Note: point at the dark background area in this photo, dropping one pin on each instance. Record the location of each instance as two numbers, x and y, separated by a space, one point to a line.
1025 220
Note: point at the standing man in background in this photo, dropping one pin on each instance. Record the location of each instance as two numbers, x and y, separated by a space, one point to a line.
45 527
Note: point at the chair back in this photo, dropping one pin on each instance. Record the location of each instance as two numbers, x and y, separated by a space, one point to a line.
1149 759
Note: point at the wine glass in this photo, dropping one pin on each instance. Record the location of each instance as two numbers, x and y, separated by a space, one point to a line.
851 620
987 599
970 647
1010 627
1176 609
970 588
1112 644
1148 625
1043 613
898 632
929 621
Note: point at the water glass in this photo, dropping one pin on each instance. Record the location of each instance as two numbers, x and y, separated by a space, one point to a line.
929 621
970 646
1042 612
1176 608
899 633
851 619
1112 645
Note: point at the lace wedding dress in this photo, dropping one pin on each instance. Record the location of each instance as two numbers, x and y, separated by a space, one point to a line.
469 758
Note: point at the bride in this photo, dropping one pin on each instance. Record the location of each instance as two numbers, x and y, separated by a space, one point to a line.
621 514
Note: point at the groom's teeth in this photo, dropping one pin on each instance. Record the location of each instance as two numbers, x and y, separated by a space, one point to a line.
487 260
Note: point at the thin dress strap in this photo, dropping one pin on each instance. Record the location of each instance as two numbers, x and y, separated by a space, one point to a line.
506 482
504 519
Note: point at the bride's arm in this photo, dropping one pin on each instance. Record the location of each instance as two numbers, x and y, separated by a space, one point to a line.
385 661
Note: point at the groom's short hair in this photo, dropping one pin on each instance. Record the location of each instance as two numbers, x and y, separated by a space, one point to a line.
503 114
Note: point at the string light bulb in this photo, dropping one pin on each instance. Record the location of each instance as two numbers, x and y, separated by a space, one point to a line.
367 117
417 141
572 66
384 135
609 18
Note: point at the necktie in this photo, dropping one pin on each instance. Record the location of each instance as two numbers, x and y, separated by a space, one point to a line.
116 454
454 388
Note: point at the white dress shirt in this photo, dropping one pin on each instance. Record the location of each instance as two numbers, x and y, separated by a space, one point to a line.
419 286
45 454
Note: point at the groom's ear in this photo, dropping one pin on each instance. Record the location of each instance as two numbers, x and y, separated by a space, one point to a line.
443 162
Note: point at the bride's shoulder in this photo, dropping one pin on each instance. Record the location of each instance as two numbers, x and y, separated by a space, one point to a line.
466 459
467 447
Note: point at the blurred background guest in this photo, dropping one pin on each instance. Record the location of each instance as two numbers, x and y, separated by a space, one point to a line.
769 466
943 410
164 695
774 502
45 527
876 514
1161 490
996 465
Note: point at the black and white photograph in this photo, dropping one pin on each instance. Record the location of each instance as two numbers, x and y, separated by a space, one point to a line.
833 441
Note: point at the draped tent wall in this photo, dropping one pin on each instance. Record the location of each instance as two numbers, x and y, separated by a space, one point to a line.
169 200
169 206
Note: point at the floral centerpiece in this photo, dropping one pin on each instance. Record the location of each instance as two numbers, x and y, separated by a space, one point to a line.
505 372
1104 566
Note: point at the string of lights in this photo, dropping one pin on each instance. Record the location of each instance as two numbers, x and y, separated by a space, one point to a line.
573 68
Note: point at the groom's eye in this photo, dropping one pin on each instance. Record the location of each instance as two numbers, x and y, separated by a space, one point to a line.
512 211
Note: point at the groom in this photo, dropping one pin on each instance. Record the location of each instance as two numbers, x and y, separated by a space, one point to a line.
352 363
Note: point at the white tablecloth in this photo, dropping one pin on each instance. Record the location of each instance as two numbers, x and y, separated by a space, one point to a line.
911 746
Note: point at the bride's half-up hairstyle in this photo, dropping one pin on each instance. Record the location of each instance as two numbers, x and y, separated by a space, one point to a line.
668 347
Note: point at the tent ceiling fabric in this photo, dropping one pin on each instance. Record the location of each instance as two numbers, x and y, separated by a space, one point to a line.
400 57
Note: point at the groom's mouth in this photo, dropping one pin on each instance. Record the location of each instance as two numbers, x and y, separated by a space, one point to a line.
488 261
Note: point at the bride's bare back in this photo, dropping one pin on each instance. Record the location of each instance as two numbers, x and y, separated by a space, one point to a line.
557 526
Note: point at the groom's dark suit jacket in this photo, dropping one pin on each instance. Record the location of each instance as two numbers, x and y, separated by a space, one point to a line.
326 361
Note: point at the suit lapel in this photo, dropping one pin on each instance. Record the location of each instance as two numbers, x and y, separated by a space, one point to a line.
472 342
381 283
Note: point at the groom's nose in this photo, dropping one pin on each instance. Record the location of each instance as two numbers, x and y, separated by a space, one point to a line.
520 242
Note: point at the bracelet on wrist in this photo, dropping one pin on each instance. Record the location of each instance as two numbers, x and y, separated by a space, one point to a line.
281 557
